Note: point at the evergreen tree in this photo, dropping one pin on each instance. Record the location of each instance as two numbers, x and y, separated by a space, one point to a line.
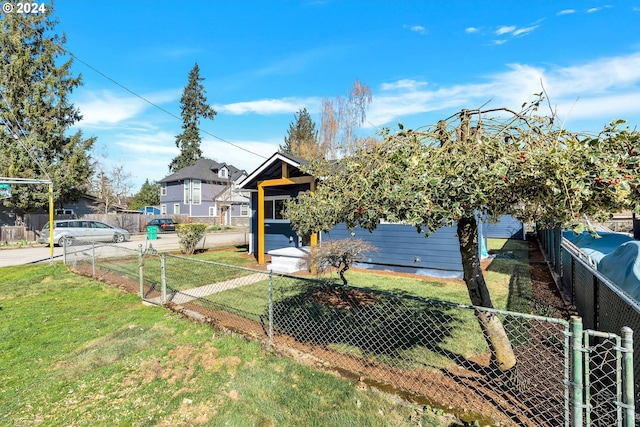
193 106
35 113
302 138
149 195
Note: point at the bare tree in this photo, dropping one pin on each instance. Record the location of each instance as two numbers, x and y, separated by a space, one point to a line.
340 118
110 187
337 254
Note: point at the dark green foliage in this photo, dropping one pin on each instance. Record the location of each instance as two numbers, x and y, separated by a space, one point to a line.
149 195
35 113
193 105
302 138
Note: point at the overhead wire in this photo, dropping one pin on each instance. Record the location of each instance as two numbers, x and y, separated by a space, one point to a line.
7 123
156 105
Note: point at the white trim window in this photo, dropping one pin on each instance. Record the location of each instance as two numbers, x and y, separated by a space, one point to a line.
273 206
196 191
244 210
186 187
212 211
176 209
163 189
163 209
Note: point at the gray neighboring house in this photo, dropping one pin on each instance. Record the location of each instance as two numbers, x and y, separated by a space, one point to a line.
206 189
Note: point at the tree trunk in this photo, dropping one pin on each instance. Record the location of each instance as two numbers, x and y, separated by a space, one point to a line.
492 328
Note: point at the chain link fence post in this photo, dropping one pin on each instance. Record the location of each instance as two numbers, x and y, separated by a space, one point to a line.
577 370
271 307
141 271
163 277
628 380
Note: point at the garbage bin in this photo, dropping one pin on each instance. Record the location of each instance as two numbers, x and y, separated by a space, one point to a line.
152 232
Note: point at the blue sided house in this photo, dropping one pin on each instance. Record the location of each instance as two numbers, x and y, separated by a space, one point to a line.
400 247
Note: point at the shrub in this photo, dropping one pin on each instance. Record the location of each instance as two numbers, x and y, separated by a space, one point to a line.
189 235
338 254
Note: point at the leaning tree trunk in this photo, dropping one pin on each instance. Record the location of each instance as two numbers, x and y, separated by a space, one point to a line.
492 328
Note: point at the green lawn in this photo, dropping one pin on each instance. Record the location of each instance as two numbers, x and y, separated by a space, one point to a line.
450 330
78 352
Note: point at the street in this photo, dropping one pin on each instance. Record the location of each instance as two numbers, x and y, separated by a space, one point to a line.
164 242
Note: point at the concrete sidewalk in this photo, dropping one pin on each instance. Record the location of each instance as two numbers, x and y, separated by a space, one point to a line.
187 295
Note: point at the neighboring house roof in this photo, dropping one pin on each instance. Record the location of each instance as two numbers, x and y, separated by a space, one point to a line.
204 170
271 166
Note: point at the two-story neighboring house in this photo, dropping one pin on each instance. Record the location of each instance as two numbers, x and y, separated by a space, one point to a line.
206 188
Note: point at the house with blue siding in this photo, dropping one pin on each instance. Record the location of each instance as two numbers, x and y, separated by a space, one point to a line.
206 189
400 247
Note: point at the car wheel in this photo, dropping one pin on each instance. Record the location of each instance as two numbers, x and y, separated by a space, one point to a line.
118 238
64 241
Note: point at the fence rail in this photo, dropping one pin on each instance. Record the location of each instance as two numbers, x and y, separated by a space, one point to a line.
433 351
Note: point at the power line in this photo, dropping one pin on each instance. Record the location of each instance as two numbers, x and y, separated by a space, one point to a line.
157 106
7 123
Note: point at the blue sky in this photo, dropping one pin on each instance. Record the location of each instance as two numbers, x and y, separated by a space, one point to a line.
264 60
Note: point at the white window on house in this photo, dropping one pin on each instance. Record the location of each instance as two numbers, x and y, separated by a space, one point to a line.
212 211
244 210
223 173
163 189
196 191
186 188
176 209
163 209
273 207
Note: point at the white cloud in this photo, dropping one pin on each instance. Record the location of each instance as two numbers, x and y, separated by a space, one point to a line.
242 157
471 30
566 12
505 30
524 31
594 9
601 91
407 84
160 143
107 108
268 106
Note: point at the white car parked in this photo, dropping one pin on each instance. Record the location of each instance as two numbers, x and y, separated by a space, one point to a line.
66 231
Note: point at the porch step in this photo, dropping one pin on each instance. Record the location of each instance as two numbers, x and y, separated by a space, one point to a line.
287 260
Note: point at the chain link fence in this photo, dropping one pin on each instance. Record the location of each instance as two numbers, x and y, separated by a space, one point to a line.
429 351
601 304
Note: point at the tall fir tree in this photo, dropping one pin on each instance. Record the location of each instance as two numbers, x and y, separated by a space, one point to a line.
302 138
35 113
193 106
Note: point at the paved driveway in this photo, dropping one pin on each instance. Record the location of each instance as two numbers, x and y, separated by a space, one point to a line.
165 242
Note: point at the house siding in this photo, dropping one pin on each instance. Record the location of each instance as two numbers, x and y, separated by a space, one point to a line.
402 245
175 195
276 234
507 228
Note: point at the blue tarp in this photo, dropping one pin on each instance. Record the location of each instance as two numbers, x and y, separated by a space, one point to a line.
616 255
622 266
597 247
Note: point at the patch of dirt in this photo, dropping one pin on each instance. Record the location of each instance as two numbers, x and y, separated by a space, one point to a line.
343 298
